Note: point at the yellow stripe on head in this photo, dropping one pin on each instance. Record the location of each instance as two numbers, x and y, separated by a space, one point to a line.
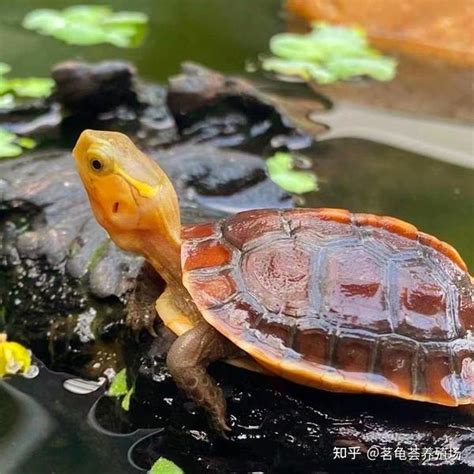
144 189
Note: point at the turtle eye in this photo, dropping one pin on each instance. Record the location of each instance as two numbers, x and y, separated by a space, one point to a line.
96 164
100 164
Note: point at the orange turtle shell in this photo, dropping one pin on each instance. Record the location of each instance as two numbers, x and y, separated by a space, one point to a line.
339 301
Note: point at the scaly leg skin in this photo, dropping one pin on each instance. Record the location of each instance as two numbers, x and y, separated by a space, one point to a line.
141 312
187 362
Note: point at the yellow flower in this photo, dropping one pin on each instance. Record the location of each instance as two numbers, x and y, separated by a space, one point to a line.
14 357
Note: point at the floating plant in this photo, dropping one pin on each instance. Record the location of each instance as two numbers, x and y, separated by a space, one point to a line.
89 25
119 388
328 54
165 466
12 145
23 87
281 170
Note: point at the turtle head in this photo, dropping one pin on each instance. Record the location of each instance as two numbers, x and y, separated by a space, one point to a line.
130 195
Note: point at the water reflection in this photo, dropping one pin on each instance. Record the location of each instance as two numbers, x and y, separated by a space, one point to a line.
31 426
444 140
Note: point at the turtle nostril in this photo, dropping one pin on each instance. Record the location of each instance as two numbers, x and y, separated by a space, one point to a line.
115 207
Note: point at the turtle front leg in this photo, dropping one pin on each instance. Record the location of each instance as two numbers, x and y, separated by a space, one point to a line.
141 312
187 362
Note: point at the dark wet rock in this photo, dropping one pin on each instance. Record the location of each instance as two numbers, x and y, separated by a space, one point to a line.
92 89
114 271
205 107
39 119
107 95
228 111
221 180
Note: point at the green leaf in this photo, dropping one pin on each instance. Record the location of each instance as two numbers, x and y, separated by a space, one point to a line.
82 34
6 136
35 87
127 18
126 29
291 46
86 13
328 54
280 168
126 400
382 69
44 21
9 150
165 466
4 68
4 86
87 25
11 145
119 386
26 142
304 69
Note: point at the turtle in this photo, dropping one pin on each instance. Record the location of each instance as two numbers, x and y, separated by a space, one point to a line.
334 300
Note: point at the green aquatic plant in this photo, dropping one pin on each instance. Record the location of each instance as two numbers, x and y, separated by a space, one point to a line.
119 385
281 170
119 388
328 54
165 466
24 87
89 25
12 145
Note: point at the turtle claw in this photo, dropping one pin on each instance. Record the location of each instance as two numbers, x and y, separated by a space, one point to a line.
221 427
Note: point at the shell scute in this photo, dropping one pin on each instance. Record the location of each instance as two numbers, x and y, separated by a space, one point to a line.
466 310
197 231
391 224
206 254
438 369
272 273
276 334
317 224
213 290
354 279
250 225
423 303
396 361
314 344
442 247
353 355
392 243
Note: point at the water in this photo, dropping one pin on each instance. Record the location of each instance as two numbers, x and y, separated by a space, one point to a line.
354 173
207 31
